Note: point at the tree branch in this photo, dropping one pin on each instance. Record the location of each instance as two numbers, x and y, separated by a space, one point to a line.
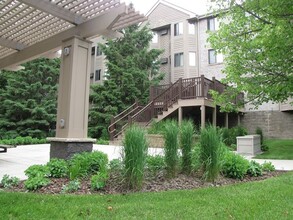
254 15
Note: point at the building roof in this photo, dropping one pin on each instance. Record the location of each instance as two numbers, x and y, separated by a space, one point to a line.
30 28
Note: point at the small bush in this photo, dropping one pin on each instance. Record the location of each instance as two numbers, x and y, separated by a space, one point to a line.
211 152
34 183
268 167
235 166
254 169
87 163
258 131
23 141
58 168
186 141
135 152
72 186
195 158
8 182
229 135
37 171
116 165
102 141
155 163
171 147
98 181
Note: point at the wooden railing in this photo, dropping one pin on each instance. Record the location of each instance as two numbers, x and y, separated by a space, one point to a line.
162 98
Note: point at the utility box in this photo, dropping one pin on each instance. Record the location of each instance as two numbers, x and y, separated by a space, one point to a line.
249 145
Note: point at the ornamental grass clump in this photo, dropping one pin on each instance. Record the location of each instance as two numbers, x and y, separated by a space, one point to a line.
186 141
135 152
171 147
211 153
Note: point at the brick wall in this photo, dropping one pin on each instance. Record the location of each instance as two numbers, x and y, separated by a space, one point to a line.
274 124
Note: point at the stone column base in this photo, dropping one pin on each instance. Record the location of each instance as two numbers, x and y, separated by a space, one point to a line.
65 148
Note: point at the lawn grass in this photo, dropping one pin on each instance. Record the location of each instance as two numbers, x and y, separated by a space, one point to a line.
268 199
278 149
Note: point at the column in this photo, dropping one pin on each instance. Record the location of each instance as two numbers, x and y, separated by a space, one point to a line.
238 119
215 116
73 100
203 116
180 114
226 120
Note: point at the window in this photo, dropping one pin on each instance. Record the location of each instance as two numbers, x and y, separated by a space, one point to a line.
178 29
191 28
164 32
93 50
213 24
192 58
214 57
99 52
178 59
98 75
155 38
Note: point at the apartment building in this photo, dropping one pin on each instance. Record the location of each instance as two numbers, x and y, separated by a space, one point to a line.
183 36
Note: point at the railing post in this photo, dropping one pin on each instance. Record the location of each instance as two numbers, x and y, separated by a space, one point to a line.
180 89
202 85
112 128
129 120
152 110
151 93
214 83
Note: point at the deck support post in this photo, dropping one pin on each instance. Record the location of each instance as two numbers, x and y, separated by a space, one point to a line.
227 120
215 116
203 116
180 114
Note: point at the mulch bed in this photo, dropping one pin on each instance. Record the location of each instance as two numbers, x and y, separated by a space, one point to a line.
152 183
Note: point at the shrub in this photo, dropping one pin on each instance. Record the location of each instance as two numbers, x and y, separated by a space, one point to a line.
72 186
37 171
23 141
235 166
268 167
263 146
186 141
98 181
87 163
58 168
102 141
155 163
116 165
254 169
171 147
34 183
135 152
157 127
211 152
229 135
195 157
8 181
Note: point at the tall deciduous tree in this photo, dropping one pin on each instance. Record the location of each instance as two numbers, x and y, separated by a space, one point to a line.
28 99
131 69
257 41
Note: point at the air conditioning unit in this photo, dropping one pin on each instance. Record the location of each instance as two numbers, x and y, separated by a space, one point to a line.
164 32
164 60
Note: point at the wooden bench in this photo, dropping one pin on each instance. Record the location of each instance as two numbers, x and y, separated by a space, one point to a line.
4 147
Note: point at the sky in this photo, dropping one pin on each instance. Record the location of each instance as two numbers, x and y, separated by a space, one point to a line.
197 6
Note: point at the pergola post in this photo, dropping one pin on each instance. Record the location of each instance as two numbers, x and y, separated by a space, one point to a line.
73 100
203 116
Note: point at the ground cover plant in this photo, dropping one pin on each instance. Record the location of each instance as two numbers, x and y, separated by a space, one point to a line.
268 199
23 141
278 149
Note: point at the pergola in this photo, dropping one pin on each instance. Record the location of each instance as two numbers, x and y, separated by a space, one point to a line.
35 28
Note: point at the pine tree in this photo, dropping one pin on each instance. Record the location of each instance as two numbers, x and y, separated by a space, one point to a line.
131 69
28 99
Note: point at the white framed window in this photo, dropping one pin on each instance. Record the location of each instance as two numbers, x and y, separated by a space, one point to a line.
191 28
178 59
192 59
155 38
215 57
98 75
178 29
213 24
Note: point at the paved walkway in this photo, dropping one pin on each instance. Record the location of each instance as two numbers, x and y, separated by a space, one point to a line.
18 159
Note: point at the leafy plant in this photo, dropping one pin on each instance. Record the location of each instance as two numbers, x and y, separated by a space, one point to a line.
171 147
135 151
235 166
254 169
72 186
36 182
8 181
58 168
263 146
155 163
98 181
268 167
102 141
87 163
229 136
186 141
116 165
37 171
211 152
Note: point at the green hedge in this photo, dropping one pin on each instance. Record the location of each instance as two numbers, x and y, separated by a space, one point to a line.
23 141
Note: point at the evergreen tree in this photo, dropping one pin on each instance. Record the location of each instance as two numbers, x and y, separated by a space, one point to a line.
28 99
131 69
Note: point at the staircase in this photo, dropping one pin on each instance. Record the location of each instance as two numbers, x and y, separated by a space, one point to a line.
164 100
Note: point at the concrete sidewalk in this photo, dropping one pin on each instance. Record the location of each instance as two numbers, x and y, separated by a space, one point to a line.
18 159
